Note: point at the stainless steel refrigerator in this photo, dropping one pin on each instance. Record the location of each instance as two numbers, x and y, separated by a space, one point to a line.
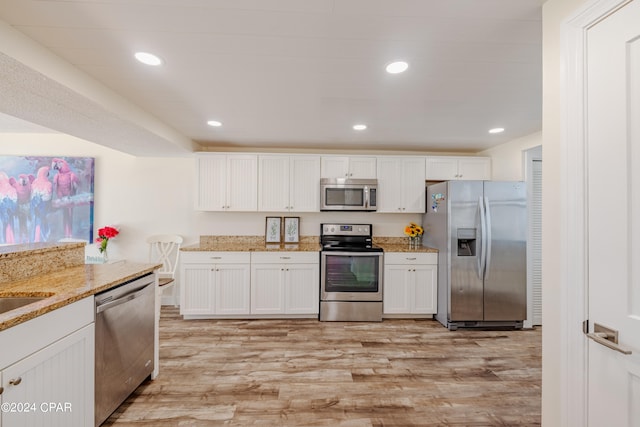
480 229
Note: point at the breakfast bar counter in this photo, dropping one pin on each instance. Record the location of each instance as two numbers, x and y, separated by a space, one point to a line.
59 283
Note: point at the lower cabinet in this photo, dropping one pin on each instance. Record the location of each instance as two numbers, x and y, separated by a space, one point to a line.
410 283
285 283
219 284
215 283
50 382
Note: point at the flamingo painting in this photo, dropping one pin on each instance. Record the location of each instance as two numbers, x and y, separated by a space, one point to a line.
46 199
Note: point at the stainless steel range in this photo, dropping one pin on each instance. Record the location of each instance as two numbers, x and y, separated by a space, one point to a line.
351 271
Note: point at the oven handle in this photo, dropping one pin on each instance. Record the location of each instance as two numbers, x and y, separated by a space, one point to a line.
358 254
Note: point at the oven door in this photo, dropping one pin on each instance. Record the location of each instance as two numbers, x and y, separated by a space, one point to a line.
351 276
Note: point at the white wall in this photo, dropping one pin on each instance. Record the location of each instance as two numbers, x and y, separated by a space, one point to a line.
140 196
507 158
151 195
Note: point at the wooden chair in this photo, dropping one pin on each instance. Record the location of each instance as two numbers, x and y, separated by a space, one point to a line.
165 249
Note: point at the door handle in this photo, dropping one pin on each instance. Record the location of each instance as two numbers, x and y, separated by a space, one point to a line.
607 337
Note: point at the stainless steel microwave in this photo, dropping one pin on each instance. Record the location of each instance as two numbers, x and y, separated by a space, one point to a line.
341 194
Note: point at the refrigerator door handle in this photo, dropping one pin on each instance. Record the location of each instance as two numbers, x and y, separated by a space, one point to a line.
483 239
487 245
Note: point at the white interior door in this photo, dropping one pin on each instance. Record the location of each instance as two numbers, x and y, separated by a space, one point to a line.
613 152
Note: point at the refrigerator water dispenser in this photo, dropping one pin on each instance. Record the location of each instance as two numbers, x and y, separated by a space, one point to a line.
466 242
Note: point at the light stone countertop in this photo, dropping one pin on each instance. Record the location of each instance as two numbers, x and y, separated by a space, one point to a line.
245 247
404 247
307 244
252 244
66 286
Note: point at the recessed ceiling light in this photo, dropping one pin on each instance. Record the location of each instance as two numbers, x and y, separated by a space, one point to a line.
496 130
148 58
397 67
359 127
214 123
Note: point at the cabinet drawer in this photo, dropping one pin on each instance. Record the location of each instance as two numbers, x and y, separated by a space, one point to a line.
285 257
410 258
216 257
28 337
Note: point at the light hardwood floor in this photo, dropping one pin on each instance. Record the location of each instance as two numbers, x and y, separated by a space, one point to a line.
310 373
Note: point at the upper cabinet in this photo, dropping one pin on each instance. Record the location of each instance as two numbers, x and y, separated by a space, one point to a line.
227 182
289 183
401 184
443 168
353 167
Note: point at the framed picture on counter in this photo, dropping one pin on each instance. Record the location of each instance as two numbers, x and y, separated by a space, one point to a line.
291 229
272 231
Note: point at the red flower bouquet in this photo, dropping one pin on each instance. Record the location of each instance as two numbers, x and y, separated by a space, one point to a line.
104 234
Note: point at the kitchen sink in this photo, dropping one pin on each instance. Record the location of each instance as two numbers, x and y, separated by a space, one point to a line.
11 303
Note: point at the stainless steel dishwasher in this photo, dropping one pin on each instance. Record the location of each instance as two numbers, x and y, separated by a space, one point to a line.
125 318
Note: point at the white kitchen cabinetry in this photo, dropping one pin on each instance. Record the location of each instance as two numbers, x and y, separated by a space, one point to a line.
227 182
285 283
443 168
47 369
215 283
289 183
410 283
401 183
355 167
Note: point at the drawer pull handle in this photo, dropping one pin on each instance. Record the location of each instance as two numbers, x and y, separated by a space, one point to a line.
411 259
285 257
16 381
216 257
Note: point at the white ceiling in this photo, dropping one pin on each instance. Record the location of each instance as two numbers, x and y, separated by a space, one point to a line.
287 73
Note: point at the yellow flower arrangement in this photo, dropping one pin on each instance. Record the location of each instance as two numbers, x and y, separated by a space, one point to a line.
413 230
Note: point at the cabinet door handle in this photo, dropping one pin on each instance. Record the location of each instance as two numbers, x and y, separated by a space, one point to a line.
1 390
15 381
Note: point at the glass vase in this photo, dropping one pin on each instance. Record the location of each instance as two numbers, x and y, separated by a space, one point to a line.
415 242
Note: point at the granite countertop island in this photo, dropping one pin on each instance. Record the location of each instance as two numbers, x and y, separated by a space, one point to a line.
56 272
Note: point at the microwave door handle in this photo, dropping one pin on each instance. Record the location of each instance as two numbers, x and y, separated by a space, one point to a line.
366 197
